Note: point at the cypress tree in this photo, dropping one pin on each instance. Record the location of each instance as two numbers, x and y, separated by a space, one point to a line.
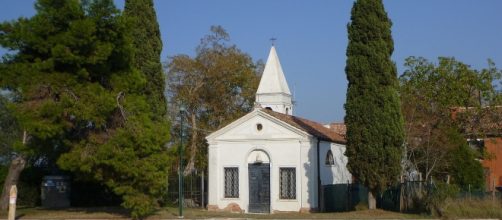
148 46
373 118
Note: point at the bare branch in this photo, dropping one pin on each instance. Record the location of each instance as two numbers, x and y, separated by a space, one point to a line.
122 112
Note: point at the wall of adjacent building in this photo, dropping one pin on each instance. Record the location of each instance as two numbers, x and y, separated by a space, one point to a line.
494 166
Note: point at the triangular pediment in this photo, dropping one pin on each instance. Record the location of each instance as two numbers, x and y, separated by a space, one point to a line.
257 125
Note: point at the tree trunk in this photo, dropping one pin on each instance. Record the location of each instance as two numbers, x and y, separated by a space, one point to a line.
193 146
16 167
371 200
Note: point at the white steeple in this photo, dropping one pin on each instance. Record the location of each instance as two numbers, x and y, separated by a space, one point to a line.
273 91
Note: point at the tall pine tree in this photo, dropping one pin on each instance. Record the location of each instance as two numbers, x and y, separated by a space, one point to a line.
373 118
148 46
77 92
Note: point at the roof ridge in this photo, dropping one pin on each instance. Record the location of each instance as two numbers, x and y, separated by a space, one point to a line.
312 127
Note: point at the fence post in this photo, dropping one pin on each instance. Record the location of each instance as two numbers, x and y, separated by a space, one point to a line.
493 189
470 195
348 197
420 179
12 202
202 191
191 186
401 195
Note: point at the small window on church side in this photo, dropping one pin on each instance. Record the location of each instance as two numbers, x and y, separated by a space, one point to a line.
287 111
231 182
329 158
259 127
269 108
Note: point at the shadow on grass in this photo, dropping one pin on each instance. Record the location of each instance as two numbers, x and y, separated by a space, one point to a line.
195 213
72 212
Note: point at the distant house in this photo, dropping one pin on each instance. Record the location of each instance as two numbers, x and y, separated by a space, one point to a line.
271 161
492 165
484 131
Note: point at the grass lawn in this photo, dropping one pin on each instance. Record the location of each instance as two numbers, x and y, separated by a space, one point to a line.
172 213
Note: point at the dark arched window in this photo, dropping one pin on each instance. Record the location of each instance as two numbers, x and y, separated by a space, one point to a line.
269 108
329 158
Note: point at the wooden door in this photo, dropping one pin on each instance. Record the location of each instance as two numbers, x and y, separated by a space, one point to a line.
259 188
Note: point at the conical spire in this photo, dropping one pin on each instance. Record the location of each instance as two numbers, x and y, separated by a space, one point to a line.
273 92
272 79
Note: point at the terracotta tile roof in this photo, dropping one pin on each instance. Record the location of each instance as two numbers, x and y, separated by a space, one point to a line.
338 127
485 121
316 129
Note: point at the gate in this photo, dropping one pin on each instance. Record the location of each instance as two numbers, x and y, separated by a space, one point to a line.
259 188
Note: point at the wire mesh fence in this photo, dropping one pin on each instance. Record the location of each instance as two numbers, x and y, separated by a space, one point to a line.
194 190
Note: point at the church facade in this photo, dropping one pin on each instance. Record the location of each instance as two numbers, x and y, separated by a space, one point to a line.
271 161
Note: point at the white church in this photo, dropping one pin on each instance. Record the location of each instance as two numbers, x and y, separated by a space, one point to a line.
271 161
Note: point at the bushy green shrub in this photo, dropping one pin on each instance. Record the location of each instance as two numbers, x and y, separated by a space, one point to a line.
140 205
467 172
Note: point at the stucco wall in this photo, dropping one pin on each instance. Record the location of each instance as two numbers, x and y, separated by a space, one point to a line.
278 102
281 154
284 147
337 173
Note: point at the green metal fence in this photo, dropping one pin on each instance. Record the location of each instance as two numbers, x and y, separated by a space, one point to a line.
343 197
408 197
404 197
194 190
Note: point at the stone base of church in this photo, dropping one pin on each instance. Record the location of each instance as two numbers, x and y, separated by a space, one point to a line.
235 208
279 211
309 210
232 207
302 210
212 208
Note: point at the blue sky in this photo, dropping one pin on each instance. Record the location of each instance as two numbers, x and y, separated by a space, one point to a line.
312 37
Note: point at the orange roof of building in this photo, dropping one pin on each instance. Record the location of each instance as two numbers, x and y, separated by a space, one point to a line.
338 127
485 121
316 129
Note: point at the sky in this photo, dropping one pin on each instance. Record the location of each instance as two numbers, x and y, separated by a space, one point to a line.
312 37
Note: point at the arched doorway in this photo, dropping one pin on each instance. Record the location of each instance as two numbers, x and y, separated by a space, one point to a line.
259 182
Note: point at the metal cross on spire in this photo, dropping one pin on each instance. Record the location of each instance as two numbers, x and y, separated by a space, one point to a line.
273 39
